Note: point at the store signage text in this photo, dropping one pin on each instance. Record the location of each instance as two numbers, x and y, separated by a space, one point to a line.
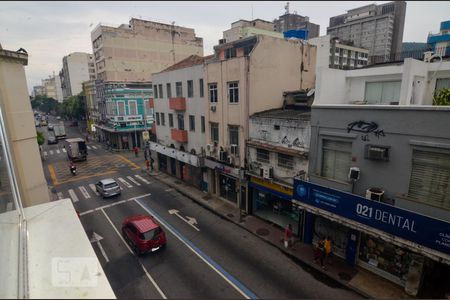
423 230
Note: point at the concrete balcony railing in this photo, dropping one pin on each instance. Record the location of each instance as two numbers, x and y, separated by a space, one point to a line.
178 135
177 103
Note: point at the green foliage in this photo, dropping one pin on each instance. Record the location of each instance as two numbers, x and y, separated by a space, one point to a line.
40 138
73 108
442 97
44 104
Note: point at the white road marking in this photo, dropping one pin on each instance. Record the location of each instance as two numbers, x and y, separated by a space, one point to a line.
88 147
64 150
129 249
133 180
125 182
168 190
84 192
60 195
73 196
190 220
92 186
57 151
96 238
142 179
45 153
94 147
112 204
51 152
177 235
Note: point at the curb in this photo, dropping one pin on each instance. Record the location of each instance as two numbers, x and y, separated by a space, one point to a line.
290 255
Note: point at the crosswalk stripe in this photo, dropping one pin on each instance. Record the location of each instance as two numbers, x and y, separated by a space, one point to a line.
125 182
60 195
133 180
84 192
94 147
51 152
88 147
64 150
142 179
92 186
73 196
57 151
45 153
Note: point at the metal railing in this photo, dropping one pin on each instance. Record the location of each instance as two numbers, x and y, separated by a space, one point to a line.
400 56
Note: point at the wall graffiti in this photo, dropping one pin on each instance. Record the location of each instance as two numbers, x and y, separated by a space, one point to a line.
366 128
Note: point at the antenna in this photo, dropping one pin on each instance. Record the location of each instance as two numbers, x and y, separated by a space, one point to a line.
286 7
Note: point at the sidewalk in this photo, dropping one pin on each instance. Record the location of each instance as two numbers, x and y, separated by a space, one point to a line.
361 281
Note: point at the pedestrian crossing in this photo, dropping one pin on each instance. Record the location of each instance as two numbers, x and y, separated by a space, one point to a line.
63 150
89 191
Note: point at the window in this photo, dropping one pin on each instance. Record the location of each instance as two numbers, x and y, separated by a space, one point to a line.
263 156
170 120
276 127
233 92
157 119
200 83
285 161
383 92
192 123
146 108
442 83
430 177
161 95
180 122
230 53
132 108
121 108
212 87
190 85
155 87
163 121
169 90
179 89
203 124
215 132
234 134
336 157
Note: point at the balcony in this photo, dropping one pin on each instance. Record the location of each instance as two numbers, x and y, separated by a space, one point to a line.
177 103
178 135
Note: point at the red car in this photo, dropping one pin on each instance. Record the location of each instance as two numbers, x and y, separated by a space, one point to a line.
143 234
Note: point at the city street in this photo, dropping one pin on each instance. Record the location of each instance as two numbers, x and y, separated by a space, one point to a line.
206 256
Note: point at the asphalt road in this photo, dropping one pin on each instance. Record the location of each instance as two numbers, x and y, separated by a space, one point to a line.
206 256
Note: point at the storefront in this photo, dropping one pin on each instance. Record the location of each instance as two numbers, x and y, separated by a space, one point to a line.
272 202
162 162
335 231
228 187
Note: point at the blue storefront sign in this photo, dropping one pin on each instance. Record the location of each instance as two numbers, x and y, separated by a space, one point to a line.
420 229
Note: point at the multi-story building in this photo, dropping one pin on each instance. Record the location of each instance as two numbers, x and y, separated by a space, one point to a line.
92 113
440 43
378 28
52 86
77 68
38 90
35 231
245 77
179 107
278 147
243 29
379 168
127 114
294 21
337 54
132 52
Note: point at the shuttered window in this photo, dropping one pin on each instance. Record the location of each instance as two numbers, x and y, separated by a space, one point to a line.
383 92
430 178
336 157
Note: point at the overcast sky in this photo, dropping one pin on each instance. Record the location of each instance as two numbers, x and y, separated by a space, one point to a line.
51 30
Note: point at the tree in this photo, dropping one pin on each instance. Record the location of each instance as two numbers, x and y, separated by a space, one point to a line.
442 97
40 138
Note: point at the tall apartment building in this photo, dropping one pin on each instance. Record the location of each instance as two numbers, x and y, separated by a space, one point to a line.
245 77
243 28
440 42
38 90
52 86
77 68
132 52
378 28
294 21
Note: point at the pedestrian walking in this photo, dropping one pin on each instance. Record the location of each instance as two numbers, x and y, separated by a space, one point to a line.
319 253
147 163
328 249
136 150
288 236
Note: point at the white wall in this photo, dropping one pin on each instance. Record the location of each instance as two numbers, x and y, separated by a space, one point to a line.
78 64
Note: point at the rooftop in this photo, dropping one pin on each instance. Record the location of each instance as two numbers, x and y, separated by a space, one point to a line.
190 61
284 114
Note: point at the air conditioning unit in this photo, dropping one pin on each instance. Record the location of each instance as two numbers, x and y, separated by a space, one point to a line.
209 147
234 149
375 194
377 153
223 156
354 173
266 172
213 108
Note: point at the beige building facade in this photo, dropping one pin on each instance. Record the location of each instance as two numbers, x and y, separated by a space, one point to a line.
92 113
77 68
21 133
245 77
132 52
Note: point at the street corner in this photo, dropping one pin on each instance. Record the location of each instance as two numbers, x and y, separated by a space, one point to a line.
131 164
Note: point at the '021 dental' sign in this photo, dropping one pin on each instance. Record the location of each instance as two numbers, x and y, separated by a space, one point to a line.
420 229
